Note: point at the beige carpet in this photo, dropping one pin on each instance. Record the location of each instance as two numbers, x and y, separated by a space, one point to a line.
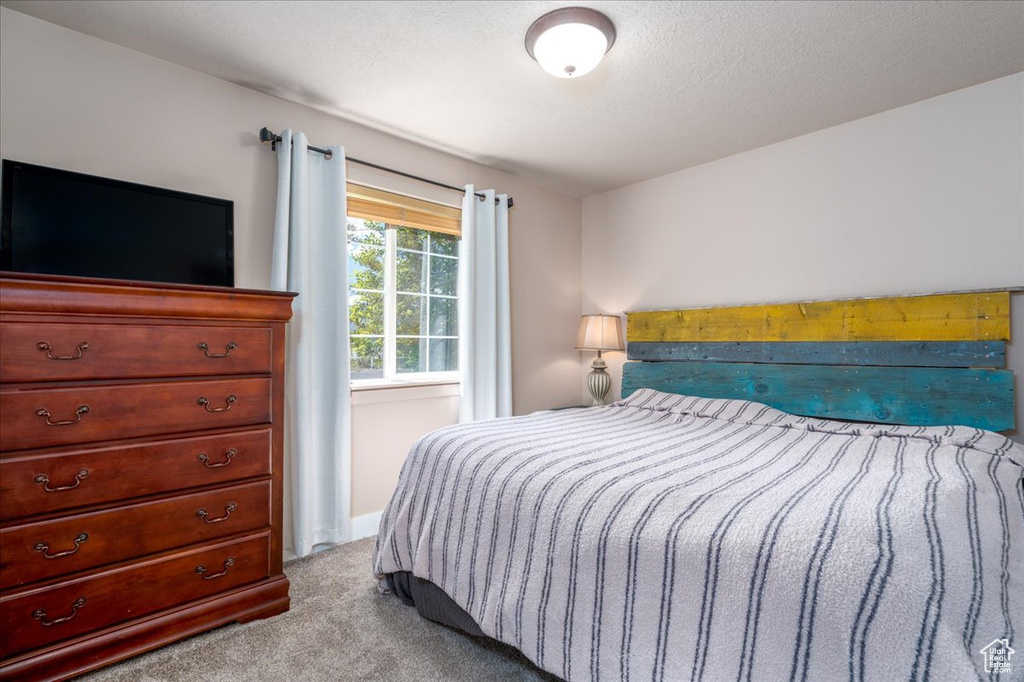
338 628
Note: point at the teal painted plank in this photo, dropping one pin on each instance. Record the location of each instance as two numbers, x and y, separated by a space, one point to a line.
918 396
883 353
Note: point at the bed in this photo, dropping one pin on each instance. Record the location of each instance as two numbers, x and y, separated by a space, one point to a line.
672 536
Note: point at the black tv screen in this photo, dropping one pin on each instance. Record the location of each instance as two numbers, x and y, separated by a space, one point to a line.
61 223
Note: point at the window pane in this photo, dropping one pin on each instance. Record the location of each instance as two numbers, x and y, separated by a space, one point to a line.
412 355
366 231
444 275
444 243
412 315
365 266
412 276
365 312
410 238
444 355
367 357
444 316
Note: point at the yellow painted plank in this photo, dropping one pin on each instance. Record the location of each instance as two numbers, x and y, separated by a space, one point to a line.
943 317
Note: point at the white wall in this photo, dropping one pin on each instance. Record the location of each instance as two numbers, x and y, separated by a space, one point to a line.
75 102
421 408
928 197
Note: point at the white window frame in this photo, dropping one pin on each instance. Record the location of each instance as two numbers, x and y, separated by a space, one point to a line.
392 377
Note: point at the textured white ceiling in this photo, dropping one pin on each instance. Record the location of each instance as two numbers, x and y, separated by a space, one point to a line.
685 83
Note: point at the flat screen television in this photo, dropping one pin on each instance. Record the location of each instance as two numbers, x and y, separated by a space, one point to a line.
62 223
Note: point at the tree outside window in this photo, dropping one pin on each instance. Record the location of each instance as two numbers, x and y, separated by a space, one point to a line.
403 301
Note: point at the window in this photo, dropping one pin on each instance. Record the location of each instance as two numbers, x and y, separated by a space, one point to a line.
403 290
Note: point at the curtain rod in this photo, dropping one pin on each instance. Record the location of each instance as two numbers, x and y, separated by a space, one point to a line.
273 138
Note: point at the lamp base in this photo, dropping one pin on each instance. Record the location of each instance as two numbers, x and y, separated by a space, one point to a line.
599 382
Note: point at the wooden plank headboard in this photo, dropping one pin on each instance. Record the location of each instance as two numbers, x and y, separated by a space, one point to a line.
918 360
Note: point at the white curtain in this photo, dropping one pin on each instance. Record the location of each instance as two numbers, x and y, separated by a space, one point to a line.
485 345
310 257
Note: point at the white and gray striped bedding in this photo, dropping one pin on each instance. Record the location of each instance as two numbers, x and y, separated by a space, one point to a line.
672 538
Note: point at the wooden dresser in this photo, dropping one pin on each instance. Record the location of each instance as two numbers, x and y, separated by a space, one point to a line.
140 467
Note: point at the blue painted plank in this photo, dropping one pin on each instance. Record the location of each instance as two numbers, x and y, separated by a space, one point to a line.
882 353
919 396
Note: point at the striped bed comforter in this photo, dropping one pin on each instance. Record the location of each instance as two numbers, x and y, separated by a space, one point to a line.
667 537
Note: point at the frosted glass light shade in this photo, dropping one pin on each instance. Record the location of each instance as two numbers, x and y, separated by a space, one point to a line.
570 50
571 41
599 332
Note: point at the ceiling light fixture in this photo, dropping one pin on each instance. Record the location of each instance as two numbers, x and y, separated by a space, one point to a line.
571 41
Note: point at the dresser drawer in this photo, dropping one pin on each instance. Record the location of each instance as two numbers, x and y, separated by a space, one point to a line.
43 616
51 482
48 549
59 352
34 418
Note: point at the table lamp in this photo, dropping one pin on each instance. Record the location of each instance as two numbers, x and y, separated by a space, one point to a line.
600 333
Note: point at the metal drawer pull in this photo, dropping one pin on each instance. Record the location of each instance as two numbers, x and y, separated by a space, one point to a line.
205 459
228 563
205 515
45 548
79 413
206 404
47 348
203 346
44 480
40 615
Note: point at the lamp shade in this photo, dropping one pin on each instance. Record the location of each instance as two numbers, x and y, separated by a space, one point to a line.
599 332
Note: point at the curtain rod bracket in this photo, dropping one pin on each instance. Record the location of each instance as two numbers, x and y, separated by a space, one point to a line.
266 135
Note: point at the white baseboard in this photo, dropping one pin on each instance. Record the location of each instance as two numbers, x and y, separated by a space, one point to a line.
366 526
